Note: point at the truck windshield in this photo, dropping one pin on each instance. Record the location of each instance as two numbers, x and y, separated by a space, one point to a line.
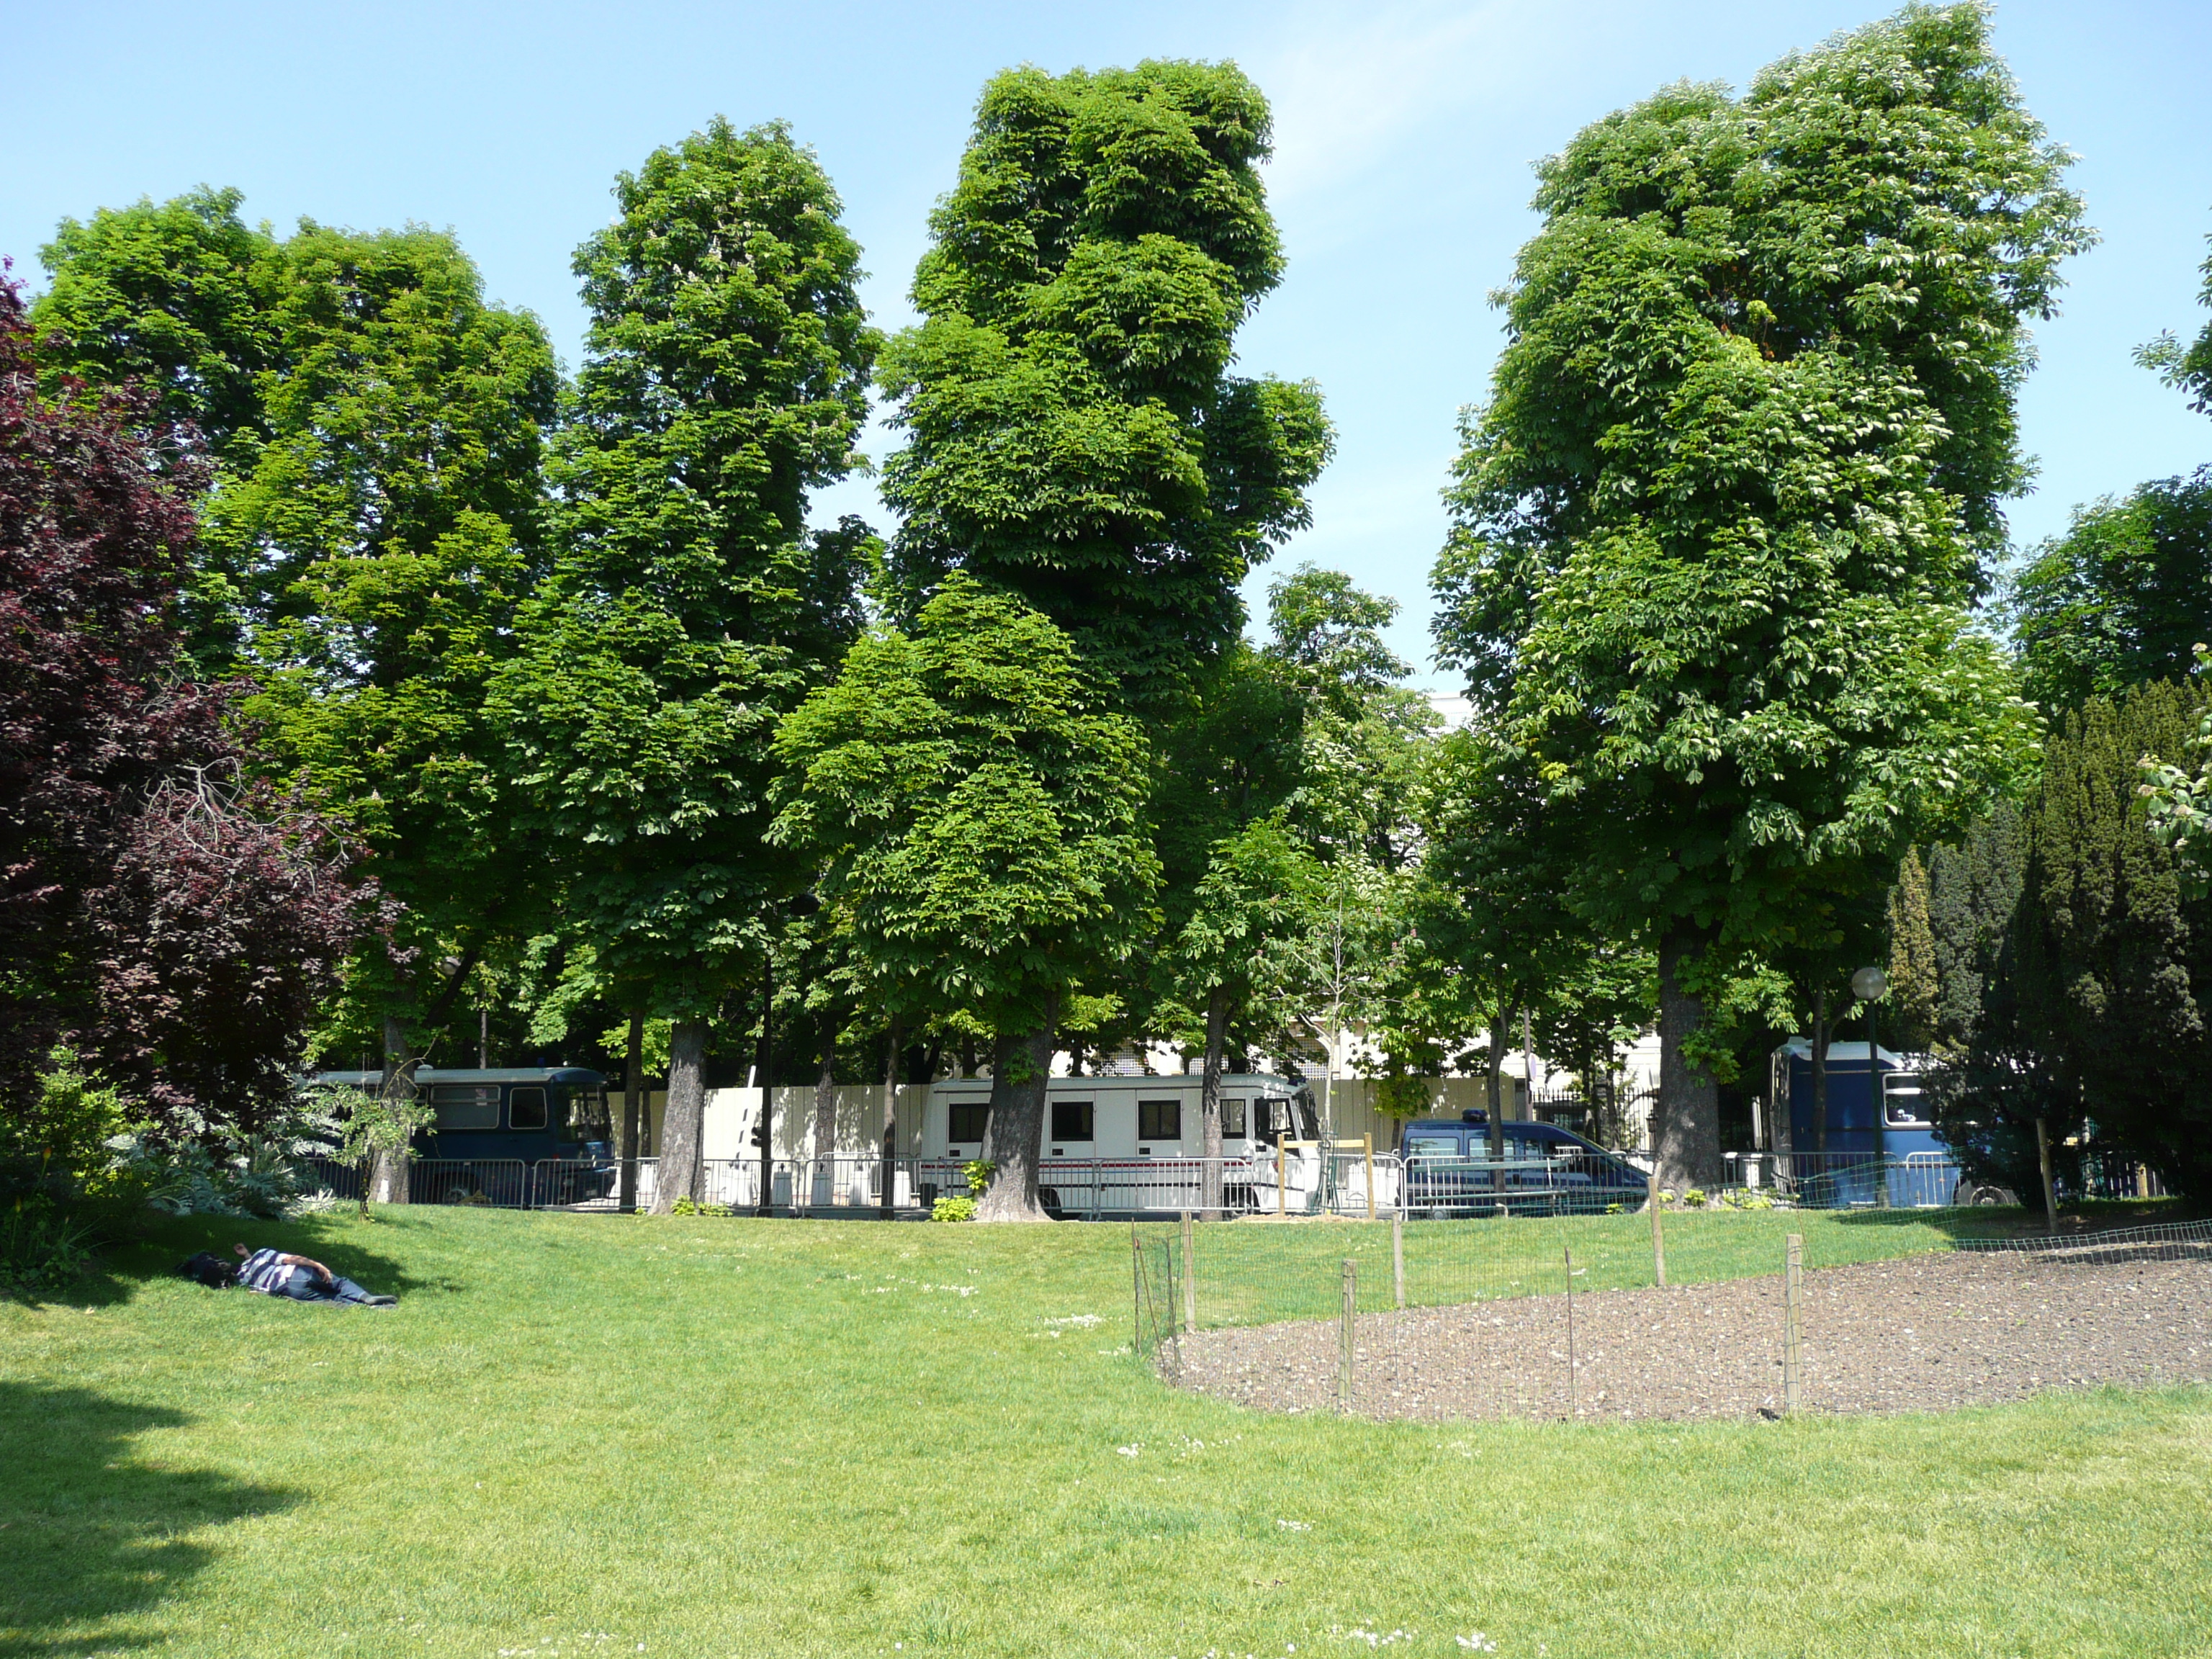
586 1118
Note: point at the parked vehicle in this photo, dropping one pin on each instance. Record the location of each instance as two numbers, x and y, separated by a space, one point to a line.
1863 1158
1119 1145
519 1135
1546 1170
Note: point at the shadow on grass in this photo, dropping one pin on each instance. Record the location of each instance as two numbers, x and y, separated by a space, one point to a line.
88 1534
2001 1221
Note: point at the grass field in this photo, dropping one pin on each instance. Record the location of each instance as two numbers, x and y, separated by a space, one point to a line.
599 1436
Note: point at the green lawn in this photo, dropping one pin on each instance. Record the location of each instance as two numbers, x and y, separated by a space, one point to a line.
609 1436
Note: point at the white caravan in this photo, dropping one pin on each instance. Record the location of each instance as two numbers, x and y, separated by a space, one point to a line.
1118 1145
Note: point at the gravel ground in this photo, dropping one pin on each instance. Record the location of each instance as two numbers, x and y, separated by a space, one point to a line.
1923 1333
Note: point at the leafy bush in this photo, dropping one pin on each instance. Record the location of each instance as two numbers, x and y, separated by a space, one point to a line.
953 1209
979 1173
250 1175
689 1206
42 1247
57 1182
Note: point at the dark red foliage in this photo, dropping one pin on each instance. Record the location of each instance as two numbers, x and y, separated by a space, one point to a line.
175 926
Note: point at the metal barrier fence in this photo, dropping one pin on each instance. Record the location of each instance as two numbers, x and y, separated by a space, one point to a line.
1312 1183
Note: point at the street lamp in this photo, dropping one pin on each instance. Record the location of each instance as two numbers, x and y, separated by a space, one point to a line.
1869 985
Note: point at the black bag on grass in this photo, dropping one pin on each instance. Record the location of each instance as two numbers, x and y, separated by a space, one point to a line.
211 1270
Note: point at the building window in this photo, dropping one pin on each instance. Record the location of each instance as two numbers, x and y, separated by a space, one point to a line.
968 1119
464 1106
526 1110
1159 1120
1232 1120
1070 1119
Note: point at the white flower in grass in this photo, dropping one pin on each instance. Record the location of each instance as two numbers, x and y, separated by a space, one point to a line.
1295 1526
1130 1451
1477 1643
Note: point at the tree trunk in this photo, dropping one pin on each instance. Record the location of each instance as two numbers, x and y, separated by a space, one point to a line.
387 1177
1209 1103
1820 1071
1494 1095
825 1105
632 1110
967 1056
1686 1133
767 1070
889 1194
684 1120
1021 1068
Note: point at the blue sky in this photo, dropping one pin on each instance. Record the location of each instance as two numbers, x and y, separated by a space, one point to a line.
1405 134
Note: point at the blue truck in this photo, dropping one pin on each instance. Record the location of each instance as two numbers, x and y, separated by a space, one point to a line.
1546 1170
1867 1157
524 1135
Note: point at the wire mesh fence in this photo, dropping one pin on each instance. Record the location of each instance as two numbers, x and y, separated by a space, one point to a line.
1570 1315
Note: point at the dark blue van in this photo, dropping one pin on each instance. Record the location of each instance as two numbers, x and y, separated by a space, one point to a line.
538 1136
1547 1170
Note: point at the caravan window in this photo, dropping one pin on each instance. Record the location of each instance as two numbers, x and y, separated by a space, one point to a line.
464 1106
1159 1120
968 1119
525 1109
1070 1119
1232 1120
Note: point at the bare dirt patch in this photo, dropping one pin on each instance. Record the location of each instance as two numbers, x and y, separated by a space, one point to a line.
1921 1334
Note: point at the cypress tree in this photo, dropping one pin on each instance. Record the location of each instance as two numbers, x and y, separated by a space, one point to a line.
1914 988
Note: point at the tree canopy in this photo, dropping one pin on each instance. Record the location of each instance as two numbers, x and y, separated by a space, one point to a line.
1074 434
1739 477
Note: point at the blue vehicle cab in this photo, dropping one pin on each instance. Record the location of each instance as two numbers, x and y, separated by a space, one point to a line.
1862 1158
1546 1170
521 1135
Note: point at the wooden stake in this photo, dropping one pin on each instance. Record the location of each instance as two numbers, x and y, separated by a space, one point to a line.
1398 1257
1190 1278
1345 1332
1793 1327
1574 1407
1136 1293
1658 1235
2043 1158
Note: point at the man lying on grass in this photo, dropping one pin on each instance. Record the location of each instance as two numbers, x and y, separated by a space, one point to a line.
278 1273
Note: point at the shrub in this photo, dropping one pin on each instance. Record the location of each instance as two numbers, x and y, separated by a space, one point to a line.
953 1209
979 1173
690 1205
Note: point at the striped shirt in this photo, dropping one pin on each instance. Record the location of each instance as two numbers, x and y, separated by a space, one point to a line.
265 1271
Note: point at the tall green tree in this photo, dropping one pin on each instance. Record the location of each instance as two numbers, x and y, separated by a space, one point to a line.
1973 888
381 534
689 607
977 802
1915 991
2093 1018
1740 475
1075 438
